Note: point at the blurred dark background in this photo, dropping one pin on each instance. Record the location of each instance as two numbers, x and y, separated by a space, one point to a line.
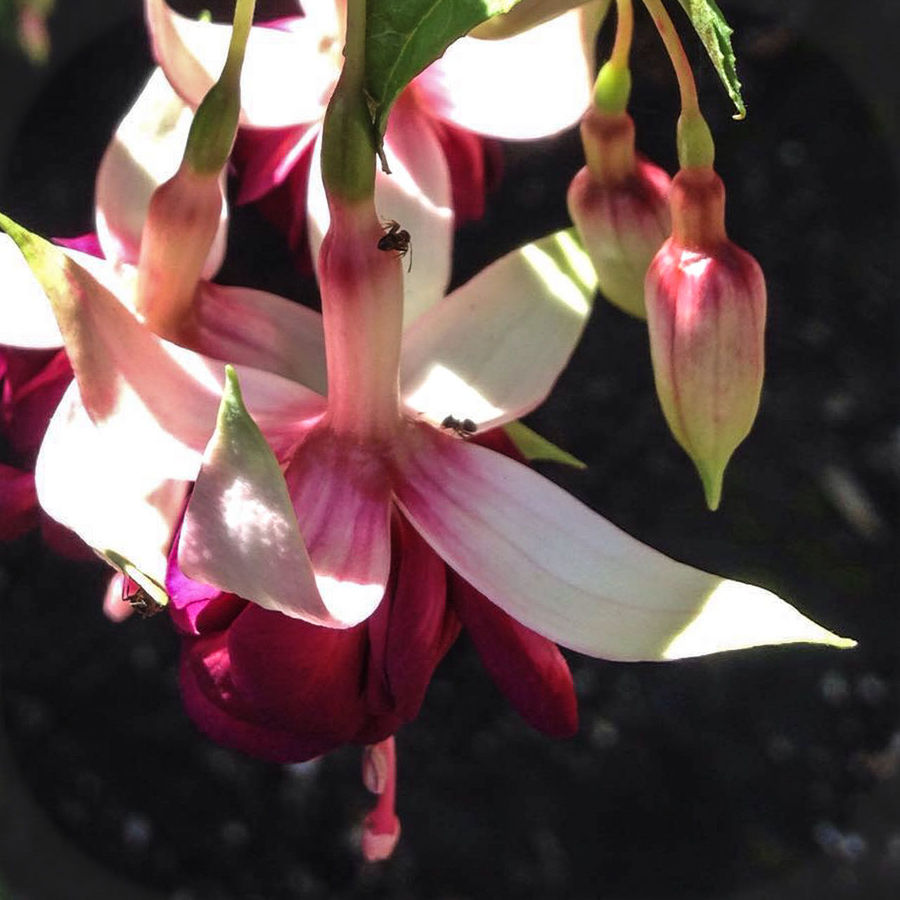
765 774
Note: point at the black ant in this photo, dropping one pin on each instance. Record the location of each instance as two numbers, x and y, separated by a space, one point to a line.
464 428
397 239
143 604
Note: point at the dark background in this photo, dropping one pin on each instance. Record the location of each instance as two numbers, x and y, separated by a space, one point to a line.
763 774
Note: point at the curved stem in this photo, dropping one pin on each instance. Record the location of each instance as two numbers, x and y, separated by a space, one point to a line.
695 142
624 30
686 86
613 85
243 20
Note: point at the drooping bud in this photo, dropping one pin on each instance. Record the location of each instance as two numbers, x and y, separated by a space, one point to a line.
706 310
182 222
619 203
184 213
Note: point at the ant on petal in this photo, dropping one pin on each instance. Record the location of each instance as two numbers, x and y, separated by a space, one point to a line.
143 604
397 239
463 428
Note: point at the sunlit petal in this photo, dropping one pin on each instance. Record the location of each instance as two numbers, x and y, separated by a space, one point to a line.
26 316
565 572
528 86
239 531
493 349
145 152
341 494
113 496
303 59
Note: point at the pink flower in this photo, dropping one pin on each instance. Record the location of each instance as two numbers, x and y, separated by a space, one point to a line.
619 203
706 311
361 513
434 127
118 454
285 690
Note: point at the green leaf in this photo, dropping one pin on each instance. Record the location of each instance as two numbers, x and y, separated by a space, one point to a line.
403 37
534 446
715 33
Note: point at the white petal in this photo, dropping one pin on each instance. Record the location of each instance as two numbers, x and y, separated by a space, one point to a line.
493 349
100 489
565 572
287 76
145 152
26 316
528 86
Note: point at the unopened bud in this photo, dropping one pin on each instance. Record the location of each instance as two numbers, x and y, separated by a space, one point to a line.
706 311
181 225
619 203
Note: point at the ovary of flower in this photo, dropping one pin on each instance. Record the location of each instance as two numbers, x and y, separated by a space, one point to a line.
443 393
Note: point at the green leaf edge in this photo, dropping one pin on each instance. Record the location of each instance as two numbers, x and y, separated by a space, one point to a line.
715 33
383 96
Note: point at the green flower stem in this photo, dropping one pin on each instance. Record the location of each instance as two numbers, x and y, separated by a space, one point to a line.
695 142
348 145
215 123
613 85
624 30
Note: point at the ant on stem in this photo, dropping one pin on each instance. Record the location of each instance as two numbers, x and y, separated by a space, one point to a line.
397 239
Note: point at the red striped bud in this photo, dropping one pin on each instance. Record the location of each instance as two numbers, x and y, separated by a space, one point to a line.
619 203
706 311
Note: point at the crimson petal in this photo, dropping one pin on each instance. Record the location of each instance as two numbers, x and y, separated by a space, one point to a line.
528 668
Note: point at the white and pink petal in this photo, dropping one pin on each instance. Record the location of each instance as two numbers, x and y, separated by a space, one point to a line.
288 73
101 489
565 572
492 351
262 330
145 152
528 86
341 492
239 532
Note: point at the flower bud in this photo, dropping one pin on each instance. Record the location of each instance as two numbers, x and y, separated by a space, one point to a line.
182 222
619 203
706 311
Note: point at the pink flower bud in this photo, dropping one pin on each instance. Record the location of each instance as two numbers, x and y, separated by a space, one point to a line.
619 203
181 226
706 311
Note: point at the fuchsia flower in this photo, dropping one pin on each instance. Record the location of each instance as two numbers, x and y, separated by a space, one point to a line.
362 513
706 312
478 89
619 203
490 352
